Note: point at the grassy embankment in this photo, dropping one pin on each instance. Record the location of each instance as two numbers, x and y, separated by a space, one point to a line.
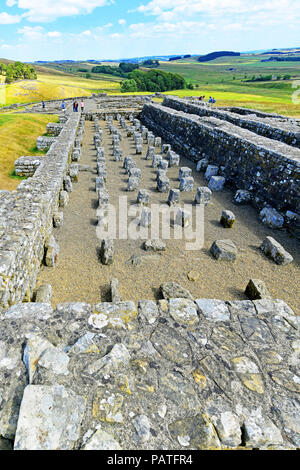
18 134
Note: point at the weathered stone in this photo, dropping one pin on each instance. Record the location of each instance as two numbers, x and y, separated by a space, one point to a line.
58 219
216 183
117 315
154 245
143 197
68 184
51 252
172 290
211 170
150 153
227 219
243 196
271 217
202 164
114 287
213 310
156 159
142 426
185 172
50 418
183 311
174 159
63 199
257 289
102 440
148 311
146 217
44 294
133 184
163 184
203 195
107 252
174 197
273 250
224 250
183 218
195 433
187 184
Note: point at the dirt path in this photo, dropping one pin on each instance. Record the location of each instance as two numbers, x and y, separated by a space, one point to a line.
79 275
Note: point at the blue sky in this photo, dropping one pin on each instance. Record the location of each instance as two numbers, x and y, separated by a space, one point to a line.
112 29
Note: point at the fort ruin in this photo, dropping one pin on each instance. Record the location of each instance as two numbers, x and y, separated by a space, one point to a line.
116 334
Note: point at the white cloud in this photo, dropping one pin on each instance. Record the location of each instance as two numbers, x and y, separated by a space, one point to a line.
54 34
175 10
5 18
122 22
11 3
49 10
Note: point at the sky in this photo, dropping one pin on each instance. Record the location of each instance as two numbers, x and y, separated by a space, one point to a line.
113 29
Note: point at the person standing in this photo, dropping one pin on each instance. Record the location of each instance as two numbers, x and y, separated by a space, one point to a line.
74 106
44 105
63 106
82 106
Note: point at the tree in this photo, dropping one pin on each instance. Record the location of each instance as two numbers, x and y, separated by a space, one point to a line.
128 86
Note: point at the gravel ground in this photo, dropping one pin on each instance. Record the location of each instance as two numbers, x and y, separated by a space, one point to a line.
79 276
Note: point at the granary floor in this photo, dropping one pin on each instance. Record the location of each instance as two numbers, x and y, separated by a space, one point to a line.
79 275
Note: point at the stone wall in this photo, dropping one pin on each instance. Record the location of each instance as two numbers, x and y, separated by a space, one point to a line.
26 219
27 166
285 130
268 168
176 374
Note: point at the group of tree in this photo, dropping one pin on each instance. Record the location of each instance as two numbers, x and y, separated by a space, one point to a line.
216 55
268 78
153 81
122 70
17 71
150 63
283 59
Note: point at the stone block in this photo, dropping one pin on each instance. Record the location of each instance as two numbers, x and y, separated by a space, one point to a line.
224 250
203 195
227 219
273 250
216 183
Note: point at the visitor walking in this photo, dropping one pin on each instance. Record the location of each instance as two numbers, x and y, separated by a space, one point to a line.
82 106
44 105
63 107
76 107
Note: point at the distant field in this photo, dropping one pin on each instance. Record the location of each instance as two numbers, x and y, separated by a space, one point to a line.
230 88
210 79
53 84
18 134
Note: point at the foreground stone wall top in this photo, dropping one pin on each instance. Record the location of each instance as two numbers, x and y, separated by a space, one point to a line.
176 374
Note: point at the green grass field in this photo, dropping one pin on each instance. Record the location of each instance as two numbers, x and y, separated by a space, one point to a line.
18 134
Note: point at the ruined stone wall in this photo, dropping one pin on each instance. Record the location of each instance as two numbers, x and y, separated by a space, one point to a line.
267 168
26 219
284 129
